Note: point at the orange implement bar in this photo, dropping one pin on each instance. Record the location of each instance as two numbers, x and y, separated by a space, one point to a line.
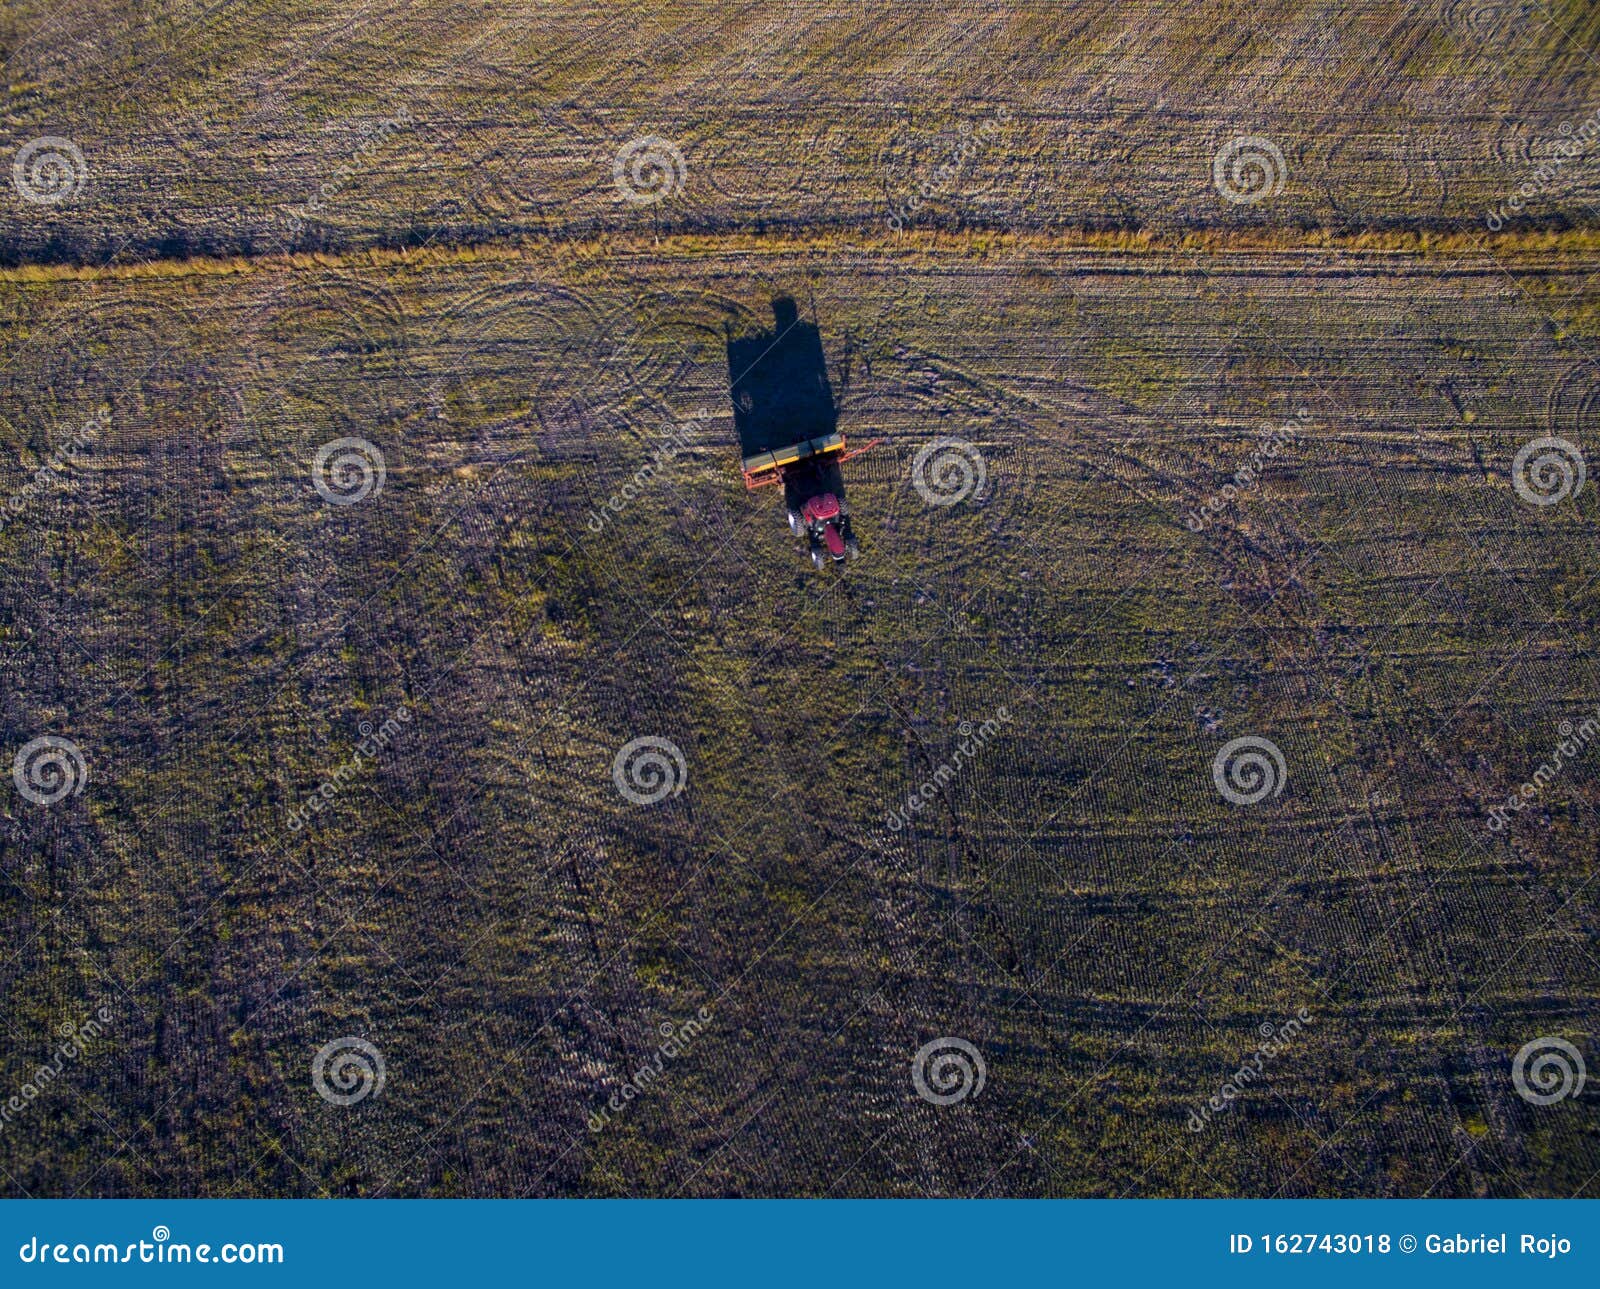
767 467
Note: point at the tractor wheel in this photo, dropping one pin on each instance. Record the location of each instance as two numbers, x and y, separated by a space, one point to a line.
796 526
818 559
852 548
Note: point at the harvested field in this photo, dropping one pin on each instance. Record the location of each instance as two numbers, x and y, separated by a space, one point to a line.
247 127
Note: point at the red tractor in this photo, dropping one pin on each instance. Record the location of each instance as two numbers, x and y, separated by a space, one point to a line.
813 497
813 493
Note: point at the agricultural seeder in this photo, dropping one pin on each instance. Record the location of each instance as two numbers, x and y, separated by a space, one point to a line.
813 492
